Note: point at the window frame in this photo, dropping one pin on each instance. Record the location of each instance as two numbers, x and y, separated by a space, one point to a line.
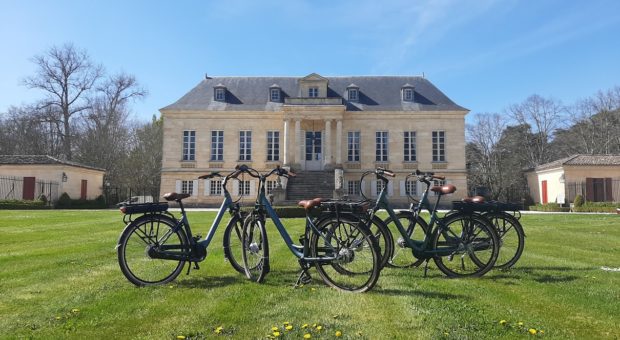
382 153
189 145
407 94
351 97
274 94
409 146
353 146
243 188
187 187
273 146
245 145
217 146
438 140
219 94
215 188
313 92
353 188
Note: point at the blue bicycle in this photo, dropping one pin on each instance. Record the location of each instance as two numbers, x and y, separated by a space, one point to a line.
341 248
154 248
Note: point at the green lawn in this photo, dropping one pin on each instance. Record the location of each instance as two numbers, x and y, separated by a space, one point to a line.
59 278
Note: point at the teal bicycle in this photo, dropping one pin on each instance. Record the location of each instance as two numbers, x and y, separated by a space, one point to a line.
460 245
154 247
343 250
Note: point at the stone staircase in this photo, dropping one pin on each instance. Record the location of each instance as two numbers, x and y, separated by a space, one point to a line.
310 184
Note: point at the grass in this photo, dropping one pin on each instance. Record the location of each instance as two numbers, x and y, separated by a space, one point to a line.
59 278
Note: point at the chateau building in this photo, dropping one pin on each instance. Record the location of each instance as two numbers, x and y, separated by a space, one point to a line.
320 127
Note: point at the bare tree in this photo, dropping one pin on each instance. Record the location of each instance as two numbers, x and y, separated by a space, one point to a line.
66 75
544 117
483 155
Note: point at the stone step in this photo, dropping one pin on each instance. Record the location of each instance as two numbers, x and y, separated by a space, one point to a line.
310 184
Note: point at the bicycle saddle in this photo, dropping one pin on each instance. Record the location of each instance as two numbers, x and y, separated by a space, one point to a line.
309 204
445 189
475 199
173 196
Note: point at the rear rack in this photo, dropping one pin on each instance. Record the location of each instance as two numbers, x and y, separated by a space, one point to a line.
143 208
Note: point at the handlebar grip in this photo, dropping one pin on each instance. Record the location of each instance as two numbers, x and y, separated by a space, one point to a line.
439 177
292 174
391 174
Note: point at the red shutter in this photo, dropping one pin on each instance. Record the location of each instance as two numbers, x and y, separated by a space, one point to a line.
544 192
28 188
608 191
590 189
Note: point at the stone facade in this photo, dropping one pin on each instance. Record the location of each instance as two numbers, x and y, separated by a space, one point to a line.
316 131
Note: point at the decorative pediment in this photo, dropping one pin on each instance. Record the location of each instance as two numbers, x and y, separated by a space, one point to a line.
313 77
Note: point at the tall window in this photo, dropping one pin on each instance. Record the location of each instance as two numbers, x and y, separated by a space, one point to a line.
353 188
439 146
409 146
353 148
380 186
217 145
245 145
411 188
216 188
408 94
189 145
244 188
187 187
273 145
382 146
313 92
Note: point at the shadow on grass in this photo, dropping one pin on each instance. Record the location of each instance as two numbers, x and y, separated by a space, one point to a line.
538 274
422 293
210 281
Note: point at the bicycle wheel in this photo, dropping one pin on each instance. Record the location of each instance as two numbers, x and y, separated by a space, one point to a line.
416 228
147 234
232 244
472 244
356 261
382 235
255 250
512 238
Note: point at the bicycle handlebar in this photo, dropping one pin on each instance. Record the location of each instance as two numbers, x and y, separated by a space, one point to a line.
211 175
427 175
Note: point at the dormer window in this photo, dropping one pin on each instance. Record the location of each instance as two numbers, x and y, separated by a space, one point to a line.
407 93
353 93
313 92
274 93
219 93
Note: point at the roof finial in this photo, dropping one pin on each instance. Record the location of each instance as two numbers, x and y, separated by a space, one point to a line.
207 76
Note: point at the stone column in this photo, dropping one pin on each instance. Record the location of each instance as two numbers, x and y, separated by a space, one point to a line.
328 143
285 144
339 142
299 150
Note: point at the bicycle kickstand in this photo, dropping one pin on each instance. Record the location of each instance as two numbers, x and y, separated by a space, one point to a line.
304 276
189 266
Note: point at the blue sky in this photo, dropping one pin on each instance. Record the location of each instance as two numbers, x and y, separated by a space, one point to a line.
485 55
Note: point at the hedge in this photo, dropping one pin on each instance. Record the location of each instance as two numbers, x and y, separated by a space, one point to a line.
549 207
609 207
26 205
65 202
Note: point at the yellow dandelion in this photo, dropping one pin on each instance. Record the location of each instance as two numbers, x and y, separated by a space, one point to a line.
274 328
336 316
304 325
541 331
313 325
75 311
338 333
446 333
181 337
319 328
58 318
276 334
520 323
288 327
532 331
307 336
170 286
313 289
219 330
503 322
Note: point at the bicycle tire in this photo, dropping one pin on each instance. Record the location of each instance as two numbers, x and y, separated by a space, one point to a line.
135 263
470 238
512 238
232 244
401 255
352 241
255 248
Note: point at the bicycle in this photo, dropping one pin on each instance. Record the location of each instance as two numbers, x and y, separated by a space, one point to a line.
508 227
342 250
154 248
469 240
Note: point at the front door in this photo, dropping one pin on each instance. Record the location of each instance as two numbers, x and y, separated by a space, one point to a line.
28 188
314 151
544 192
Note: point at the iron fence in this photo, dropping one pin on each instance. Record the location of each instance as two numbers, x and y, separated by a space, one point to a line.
12 188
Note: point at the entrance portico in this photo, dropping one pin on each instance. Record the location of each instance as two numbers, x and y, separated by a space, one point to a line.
313 148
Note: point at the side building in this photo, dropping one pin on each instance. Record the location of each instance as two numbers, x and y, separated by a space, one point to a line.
318 126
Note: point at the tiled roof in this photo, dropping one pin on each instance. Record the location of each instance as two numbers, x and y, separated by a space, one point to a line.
376 93
40 159
582 160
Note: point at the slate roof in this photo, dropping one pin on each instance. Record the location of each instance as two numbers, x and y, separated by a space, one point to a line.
40 159
582 160
376 93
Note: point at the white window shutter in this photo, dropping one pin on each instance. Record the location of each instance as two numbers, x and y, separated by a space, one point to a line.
363 187
373 188
207 187
235 188
178 186
420 187
252 188
195 188
390 188
402 189
221 187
